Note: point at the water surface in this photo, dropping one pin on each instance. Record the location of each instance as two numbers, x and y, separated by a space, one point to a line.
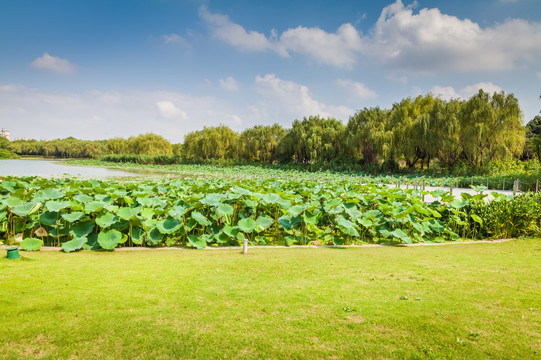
48 168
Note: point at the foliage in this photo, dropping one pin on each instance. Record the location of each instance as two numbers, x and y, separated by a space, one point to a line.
212 212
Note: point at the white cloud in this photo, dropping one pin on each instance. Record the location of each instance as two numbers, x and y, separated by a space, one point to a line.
288 100
229 83
174 39
357 90
448 92
56 64
339 49
39 114
431 41
169 110
425 41
235 34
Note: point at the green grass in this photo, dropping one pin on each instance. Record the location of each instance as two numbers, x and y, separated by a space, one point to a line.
466 301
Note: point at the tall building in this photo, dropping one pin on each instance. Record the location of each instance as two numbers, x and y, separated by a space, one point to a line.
4 133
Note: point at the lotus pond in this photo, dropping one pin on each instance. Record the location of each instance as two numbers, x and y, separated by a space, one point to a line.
93 214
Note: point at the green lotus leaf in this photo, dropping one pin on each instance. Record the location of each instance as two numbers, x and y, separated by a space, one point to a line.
56 206
154 237
137 235
309 218
72 217
263 222
436 225
288 222
127 213
168 226
31 244
92 243
221 238
147 213
109 239
365 222
24 209
289 240
230 231
247 225
399 234
224 209
93 206
106 220
200 218
477 219
177 211
82 198
295 210
48 218
74 244
52 194
346 226
212 199
82 229
197 242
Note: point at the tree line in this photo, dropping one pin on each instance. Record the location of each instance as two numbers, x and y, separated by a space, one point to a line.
415 132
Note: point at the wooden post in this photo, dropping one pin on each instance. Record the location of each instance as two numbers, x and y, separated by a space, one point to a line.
515 188
503 187
487 184
245 246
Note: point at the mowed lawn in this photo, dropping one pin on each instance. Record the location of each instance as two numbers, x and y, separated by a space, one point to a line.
466 301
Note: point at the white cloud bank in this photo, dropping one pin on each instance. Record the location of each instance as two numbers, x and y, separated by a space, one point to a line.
52 63
425 41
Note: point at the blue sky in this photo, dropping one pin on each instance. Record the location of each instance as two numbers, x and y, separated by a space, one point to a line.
101 69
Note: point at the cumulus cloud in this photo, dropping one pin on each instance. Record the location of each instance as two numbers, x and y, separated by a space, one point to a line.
425 41
448 92
169 110
229 83
288 100
430 40
174 39
338 49
234 34
52 63
357 90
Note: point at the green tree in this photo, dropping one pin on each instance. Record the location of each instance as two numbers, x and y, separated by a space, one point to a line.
149 144
491 128
259 143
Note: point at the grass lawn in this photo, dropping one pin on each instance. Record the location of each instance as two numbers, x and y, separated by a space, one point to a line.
468 301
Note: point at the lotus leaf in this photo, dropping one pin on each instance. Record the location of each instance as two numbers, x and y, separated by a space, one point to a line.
72 217
197 242
109 239
74 244
200 218
31 244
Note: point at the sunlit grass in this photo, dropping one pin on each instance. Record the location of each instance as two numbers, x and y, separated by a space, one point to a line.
454 301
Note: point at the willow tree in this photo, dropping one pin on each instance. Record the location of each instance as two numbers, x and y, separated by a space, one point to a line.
259 143
313 140
366 134
445 129
149 144
217 142
117 146
409 122
491 128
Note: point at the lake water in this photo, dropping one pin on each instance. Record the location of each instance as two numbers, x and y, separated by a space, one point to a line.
48 168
